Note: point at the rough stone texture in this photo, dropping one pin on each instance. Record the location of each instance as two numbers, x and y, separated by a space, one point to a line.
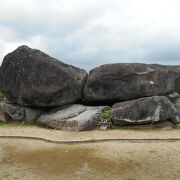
160 125
3 116
177 105
173 96
144 110
11 111
32 78
72 118
121 82
175 99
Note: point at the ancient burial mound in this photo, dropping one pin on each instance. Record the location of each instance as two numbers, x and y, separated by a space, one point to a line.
32 78
48 92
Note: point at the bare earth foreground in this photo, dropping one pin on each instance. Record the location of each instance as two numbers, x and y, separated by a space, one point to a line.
127 159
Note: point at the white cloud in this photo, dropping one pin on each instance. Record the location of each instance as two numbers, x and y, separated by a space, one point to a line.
89 33
9 41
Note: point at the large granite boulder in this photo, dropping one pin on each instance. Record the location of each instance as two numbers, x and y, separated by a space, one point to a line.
144 110
121 82
15 112
32 78
72 118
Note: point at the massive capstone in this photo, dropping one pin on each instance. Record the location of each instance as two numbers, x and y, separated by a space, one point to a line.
121 82
32 78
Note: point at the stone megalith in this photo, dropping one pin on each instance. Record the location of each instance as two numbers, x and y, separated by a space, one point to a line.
122 82
32 78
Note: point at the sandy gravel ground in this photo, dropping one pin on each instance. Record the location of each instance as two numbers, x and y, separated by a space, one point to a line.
127 160
32 159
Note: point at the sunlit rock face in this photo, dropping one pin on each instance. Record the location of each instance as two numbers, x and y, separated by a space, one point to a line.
76 117
121 82
144 110
32 78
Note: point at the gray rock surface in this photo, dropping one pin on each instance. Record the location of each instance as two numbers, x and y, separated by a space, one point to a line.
32 78
144 110
175 99
121 82
72 118
177 105
15 112
173 95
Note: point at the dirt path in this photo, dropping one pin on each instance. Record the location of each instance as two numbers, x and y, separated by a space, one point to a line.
64 136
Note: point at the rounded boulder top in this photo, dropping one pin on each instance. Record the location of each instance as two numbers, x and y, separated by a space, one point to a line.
32 78
127 81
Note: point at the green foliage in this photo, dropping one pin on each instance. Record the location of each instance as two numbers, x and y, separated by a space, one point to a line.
106 115
177 126
2 97
10 123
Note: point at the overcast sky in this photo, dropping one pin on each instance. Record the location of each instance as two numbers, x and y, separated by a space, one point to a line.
87 33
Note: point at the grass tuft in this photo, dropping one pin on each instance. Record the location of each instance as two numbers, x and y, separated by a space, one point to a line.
15 123
105 116
177 126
